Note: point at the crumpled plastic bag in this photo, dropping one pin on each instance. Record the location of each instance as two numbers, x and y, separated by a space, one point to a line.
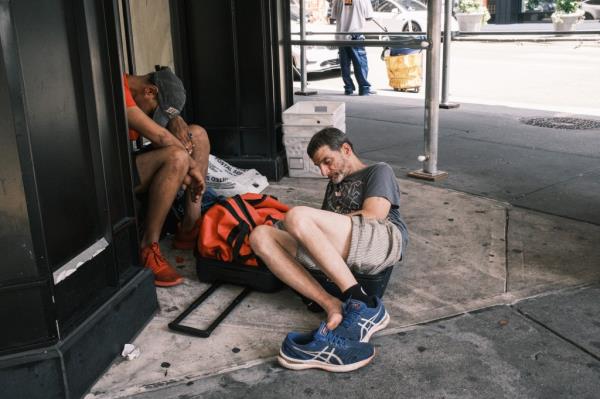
228 180
130 352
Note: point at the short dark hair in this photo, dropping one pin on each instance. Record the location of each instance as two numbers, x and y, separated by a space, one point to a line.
330 136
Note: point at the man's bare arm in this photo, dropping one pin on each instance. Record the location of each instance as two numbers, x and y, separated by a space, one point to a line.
374 208
180 130
157 134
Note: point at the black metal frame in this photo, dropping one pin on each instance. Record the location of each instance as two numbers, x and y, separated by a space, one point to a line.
278 90
10 54
176 325
102 115
126 13
71 352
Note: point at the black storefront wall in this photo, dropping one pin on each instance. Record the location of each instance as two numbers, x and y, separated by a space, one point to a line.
65 200
234 61
505 11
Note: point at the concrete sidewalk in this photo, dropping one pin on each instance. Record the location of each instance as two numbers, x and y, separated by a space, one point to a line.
501 352
517 219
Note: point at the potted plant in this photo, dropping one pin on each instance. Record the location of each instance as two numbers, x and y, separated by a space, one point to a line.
567 14
471 15
534 10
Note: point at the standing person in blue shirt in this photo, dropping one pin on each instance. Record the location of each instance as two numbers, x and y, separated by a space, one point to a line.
350 16
358 230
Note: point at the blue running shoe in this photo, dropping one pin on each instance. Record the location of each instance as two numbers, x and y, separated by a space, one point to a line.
322 349
361 322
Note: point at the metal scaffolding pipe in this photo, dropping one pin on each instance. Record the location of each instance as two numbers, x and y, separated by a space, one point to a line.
303 90
302 49
412 43
432 96
445 104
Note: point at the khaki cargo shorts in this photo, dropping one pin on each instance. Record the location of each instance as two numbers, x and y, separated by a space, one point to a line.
374 246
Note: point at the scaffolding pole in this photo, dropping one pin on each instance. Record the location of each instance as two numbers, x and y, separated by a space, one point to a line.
445 104
303 91
432 97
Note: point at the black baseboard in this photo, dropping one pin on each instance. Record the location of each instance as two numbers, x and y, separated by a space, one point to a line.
69 368
535 16
274 168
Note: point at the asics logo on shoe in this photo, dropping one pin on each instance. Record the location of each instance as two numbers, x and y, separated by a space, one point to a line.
367 324
324 330
322 355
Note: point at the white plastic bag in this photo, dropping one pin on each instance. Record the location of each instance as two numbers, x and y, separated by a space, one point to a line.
227 180
130 352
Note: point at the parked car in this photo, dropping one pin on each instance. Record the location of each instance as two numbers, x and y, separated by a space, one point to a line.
402 16
318 58
394 15
540 6
591 8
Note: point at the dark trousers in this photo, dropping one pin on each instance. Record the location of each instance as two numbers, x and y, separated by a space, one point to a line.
358 57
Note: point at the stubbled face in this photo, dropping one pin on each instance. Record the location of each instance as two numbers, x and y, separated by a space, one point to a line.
333 164
147 100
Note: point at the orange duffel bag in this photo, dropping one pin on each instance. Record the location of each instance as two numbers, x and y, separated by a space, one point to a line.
225 228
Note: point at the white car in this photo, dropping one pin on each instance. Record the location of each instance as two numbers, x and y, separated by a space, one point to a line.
318 58
394 15
591 9
403 16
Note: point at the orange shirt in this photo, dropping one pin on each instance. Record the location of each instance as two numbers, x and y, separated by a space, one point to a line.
129 102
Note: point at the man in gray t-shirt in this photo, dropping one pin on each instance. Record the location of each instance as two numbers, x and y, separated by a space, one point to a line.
358 229
350 16
372 181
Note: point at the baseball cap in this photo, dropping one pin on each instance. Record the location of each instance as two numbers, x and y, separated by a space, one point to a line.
171 95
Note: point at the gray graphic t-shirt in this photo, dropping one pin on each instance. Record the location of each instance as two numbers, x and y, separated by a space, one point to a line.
373 181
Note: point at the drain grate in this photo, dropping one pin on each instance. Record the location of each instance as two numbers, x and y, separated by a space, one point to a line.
563 123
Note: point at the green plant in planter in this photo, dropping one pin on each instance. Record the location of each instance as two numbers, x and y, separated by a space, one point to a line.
474 7
532 5
567 13
567 6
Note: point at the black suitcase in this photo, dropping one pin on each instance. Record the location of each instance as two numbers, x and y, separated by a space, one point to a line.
258 278
373 284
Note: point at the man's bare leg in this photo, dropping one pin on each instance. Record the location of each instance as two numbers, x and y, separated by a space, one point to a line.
277 249
326 235
161 174
200 155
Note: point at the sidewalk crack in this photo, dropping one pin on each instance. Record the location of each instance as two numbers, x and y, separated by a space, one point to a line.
506 269
555 333
565 180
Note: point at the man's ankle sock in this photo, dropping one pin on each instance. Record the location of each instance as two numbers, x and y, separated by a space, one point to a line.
357 292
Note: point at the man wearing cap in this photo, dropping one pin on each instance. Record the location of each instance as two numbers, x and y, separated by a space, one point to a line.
177 156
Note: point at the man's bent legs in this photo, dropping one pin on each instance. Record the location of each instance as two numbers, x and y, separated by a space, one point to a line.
161 173
326 235
277 249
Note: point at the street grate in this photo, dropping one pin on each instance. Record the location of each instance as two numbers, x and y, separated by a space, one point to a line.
562 123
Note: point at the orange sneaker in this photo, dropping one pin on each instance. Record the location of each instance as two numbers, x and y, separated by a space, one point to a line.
185 239
164 274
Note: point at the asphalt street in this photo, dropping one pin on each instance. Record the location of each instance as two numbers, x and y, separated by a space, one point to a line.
551 76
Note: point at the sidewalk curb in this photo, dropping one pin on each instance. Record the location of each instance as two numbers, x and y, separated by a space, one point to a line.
535 39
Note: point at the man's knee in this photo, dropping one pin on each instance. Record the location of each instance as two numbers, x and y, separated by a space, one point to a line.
177 159
259 239
297 221
199 134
